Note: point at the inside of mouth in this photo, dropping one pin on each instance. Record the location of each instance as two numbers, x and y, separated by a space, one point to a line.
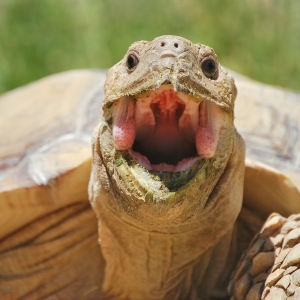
165 130
166 143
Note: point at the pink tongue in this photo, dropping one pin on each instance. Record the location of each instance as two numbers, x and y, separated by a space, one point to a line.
124 129
207 136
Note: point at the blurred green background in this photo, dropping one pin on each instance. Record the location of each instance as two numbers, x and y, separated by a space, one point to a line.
258 38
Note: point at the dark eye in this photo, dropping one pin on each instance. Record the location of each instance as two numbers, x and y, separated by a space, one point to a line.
209 68
132 61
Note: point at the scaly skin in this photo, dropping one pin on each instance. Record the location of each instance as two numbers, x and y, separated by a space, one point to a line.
162 242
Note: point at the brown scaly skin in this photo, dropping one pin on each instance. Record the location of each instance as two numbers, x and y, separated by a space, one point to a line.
161 244
269 269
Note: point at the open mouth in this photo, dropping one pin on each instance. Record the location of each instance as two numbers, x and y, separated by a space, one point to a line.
165 130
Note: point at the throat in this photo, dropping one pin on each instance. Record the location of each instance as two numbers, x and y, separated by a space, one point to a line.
166 144
157 266
170 145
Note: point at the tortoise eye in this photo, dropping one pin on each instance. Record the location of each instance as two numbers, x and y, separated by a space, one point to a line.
132 61
209 68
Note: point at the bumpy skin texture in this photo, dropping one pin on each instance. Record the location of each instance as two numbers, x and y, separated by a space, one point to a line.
270 267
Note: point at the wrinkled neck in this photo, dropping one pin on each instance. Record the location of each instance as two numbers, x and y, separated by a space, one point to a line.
151 265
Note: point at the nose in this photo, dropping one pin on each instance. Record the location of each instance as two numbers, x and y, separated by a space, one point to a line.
170 46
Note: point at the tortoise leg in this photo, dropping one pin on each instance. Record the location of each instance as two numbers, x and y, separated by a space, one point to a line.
270 268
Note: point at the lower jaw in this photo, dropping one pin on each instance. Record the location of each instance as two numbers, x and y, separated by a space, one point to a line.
182 165
173 181
170 179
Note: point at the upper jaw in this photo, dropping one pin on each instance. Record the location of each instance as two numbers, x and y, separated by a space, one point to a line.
183 73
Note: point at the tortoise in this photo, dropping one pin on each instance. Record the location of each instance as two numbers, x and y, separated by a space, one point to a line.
174 204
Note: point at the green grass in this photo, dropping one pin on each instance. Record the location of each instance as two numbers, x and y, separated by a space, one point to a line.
259 38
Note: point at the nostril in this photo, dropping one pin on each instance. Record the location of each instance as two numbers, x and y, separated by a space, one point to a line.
162 44
176 45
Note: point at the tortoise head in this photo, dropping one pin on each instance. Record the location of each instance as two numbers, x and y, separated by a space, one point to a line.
167 133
